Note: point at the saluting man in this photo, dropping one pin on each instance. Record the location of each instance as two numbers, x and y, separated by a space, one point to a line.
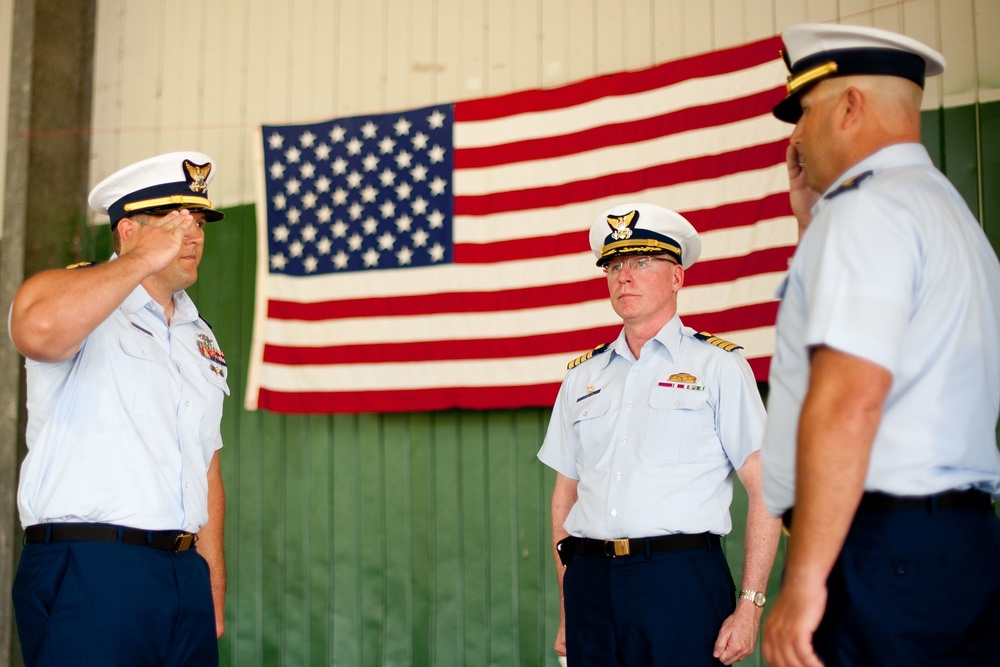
645 435
121 494
885 386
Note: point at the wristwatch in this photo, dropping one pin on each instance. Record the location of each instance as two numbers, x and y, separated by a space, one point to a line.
754 596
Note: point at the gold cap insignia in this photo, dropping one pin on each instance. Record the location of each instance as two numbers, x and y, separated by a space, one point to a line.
197 175
622 225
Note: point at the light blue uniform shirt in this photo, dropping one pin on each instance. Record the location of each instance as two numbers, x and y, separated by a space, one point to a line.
897 271
124 431
654 452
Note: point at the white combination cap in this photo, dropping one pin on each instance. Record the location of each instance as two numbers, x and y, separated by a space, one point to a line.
644 229
817 51
157 185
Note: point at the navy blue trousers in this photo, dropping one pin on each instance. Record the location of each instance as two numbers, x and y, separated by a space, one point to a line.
116 605
915 587
646 610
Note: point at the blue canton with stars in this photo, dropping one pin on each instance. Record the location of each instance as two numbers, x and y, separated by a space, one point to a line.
357 194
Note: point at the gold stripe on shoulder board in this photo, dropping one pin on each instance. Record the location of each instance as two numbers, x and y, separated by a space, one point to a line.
583 357
718 342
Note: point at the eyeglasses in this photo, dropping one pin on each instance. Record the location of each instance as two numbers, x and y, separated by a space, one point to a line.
633 263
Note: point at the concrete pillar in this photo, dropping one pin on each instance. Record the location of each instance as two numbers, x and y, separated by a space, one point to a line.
44 212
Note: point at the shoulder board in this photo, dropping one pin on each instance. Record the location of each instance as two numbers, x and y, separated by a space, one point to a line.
80 265
583 357
718 342
850 184
204 320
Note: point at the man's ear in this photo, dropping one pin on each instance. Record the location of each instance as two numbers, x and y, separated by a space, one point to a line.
126 229
677 276
853 106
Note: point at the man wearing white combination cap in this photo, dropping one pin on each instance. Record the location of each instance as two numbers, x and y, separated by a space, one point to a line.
645 437
120 494
880 450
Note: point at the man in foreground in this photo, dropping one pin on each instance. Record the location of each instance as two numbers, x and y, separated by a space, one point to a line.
880 448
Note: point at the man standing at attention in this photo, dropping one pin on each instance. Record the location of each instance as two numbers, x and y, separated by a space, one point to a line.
880 449
645 436
120 494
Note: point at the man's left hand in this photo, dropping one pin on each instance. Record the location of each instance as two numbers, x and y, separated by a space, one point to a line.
738 635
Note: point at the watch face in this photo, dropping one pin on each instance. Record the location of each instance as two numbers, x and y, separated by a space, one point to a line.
759 599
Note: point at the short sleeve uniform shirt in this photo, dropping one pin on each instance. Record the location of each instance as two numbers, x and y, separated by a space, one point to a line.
125 430
654 441
894 269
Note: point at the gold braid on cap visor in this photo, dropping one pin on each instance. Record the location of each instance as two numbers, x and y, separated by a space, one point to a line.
175 200
796 82
638 246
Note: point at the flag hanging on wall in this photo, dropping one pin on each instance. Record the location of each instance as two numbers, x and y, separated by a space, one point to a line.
438 258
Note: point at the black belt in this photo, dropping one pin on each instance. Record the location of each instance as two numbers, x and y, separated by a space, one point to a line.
167 540
585 546
875 501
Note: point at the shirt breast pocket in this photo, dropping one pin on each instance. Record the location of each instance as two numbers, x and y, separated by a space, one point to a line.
676 421
591 425
143 373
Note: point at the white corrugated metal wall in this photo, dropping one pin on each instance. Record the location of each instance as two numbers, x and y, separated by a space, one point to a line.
173 74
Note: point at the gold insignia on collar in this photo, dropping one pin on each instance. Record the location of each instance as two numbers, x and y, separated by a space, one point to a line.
197 176
623 224
682 377
590 389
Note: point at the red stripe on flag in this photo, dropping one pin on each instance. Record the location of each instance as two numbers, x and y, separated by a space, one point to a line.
408 400
770 260
441 350
677 122
530 248
721 217
737 214
621 83
445 302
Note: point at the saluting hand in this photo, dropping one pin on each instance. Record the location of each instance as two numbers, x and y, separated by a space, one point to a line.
158 242
801 196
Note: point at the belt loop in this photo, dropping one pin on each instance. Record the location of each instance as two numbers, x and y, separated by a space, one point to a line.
649 548
120 533
932 504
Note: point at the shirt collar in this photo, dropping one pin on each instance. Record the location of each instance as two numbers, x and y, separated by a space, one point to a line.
669 336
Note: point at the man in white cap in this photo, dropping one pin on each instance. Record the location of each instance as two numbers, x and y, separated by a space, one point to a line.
644 437
120 494
880 449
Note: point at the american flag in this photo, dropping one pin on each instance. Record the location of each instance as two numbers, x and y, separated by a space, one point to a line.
438 258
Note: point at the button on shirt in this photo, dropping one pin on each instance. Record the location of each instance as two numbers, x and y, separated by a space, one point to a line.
124 431
653 441
898 272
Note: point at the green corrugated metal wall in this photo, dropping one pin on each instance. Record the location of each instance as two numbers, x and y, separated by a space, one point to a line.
419 539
